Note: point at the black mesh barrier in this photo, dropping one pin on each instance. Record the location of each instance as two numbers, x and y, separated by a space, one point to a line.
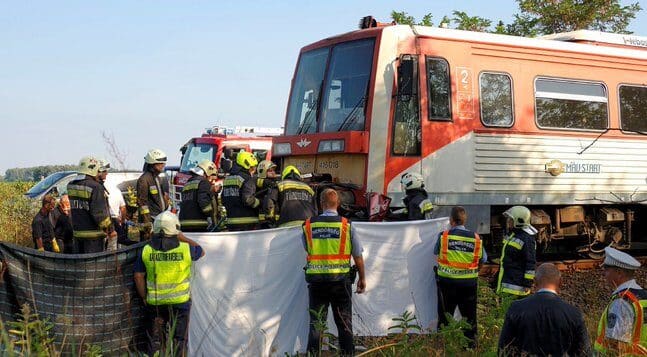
89 298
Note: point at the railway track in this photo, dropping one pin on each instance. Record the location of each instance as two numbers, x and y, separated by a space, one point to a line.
568 265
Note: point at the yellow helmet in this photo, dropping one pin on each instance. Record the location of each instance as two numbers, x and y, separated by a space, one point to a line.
288 170
520 216
246 160
167 223
208 167
104 165
264 166
89 166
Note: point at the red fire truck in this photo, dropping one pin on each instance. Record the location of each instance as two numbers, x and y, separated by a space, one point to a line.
221 145
491 121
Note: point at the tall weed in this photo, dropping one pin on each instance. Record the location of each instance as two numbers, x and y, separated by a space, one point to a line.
16 213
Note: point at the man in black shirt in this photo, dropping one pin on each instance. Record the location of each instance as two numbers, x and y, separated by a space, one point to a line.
42 231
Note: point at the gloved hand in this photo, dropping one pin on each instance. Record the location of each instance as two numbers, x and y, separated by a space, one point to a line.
41 249
55 247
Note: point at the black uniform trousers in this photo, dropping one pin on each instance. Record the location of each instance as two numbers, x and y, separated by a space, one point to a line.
462 294
337 294
165 319
85 245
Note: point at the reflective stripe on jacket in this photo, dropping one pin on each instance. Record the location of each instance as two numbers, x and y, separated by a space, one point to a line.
328 244
168 274
638 346
459 256
296 203
90 215
517 267
198 204
238 190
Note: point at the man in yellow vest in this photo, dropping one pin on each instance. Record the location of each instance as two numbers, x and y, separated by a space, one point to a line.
460 252
621 330
329 244
162 276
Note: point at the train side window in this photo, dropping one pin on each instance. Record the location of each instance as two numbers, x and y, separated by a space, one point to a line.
406 123
496 99
633 108
438 89
571 104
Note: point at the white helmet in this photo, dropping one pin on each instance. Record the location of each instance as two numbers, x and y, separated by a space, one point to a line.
167 223
104 165
411 180
520 216
264 166
155 156
208 167
89 166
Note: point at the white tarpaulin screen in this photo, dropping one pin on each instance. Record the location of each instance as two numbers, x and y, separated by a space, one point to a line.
250 297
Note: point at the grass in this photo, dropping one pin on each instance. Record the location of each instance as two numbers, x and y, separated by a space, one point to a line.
16 212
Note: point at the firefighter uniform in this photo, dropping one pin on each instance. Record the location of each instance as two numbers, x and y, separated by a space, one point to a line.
90 215
459 253
296 199
623 320
198 206
517 265
329 246
150 200
238 197
267 187
417 205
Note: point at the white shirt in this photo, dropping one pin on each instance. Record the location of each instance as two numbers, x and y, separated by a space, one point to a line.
115 200
620 317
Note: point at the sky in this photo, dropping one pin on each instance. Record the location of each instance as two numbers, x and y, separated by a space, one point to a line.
155 73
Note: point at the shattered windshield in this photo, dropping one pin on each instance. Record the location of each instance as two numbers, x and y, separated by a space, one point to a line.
195 153
339 103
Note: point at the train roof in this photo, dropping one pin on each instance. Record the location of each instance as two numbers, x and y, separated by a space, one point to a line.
592 42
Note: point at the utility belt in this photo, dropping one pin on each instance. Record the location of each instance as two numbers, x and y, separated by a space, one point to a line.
349 277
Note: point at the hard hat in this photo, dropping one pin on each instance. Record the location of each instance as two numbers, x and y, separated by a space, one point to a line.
246 160
167 223
208 167
520 216
264 166
89 166
412 180
289 170
104 165
155 156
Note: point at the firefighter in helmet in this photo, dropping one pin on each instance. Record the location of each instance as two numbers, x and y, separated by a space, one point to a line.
295 199
199 206
152 193
238 194
265 191
89 209
417 205
517 266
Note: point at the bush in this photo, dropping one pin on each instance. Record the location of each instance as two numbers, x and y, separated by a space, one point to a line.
16 213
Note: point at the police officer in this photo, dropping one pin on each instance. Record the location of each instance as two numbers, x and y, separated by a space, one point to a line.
417 205
329 245
459 253
238 194
152 195
265 188
163 276
621 330
517 266
89 209
296 200
199 206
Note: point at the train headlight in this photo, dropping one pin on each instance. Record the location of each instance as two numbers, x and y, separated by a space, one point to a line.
331 145
281 149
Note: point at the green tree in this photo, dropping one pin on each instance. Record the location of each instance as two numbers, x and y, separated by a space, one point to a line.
544 17
470 23
403 18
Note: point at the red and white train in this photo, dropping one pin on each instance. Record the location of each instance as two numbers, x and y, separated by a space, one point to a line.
556 123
